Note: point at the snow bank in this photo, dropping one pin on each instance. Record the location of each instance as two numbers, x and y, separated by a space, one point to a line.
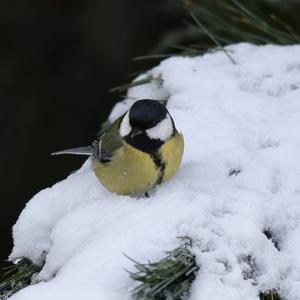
240 175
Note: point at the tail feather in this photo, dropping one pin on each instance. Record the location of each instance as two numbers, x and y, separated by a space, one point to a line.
75 151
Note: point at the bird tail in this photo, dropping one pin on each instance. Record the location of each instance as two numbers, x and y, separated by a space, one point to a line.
75 151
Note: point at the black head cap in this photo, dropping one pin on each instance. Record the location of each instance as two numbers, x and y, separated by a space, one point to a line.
146 113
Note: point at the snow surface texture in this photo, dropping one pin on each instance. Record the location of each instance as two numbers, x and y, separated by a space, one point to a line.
243 118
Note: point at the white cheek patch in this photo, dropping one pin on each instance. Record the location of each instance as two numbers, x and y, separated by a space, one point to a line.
125 127
162 131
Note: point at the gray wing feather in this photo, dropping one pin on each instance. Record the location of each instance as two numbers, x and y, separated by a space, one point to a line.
103 147
76 151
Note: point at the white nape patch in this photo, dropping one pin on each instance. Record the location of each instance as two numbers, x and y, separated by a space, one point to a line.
125 127
162 131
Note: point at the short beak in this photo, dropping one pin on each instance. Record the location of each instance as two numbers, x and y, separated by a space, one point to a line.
136 131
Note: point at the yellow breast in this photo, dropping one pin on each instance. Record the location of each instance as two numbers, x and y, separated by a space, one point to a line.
171 153
130 172
133 172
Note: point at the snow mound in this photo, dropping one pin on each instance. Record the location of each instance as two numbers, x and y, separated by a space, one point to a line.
239 178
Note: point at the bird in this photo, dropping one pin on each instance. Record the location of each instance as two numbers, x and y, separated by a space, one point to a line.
140 150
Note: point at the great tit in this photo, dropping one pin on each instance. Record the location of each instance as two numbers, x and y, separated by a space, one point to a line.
140 150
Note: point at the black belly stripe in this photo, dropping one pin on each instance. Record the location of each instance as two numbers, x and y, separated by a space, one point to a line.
157 159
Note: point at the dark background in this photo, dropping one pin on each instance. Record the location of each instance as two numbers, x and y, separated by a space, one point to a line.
58 59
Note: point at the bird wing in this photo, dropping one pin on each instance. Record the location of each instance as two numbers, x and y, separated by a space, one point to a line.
103 147
109 142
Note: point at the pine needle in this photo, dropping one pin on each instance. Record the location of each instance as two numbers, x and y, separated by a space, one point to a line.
272 295
169 278
16 277
125 87
211 36
217 25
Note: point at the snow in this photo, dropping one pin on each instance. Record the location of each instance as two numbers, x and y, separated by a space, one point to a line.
238 119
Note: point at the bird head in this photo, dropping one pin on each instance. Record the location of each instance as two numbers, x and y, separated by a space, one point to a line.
147 125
